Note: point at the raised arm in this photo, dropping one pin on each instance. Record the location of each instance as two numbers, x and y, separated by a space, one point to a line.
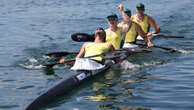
124 15
126 22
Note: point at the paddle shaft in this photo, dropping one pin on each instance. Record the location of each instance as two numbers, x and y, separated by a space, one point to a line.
167 36
161 47
59 54
165 48
53 64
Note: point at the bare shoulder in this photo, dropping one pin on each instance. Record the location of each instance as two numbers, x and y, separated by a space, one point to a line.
84 45
150 18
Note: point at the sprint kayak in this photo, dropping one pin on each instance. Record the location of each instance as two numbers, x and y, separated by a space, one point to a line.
70 82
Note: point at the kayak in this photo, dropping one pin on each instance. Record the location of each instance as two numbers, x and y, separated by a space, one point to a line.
70 82
64 86
77 77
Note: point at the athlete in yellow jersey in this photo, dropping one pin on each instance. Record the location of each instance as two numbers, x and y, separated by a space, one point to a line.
114 34
114 37
145 21
134 28
94 48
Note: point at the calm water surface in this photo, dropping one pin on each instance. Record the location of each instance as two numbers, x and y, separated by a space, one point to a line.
156 81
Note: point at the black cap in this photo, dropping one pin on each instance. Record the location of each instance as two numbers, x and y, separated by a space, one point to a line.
128 12
140 6
112 17
99 28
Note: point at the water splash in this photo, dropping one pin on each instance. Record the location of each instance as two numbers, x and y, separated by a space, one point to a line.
32 66
186 51
32 63
152 63
126 65
33 60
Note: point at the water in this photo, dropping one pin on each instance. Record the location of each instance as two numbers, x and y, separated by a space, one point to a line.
157 81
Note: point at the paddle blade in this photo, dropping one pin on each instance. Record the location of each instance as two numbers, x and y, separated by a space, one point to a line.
58 54
82 37
47 66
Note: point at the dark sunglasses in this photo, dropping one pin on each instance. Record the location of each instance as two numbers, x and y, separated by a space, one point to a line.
140 8
112 18
128 13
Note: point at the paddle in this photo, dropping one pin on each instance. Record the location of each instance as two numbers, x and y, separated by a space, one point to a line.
59 54
106 55
53 64
165 48
82 37
167 36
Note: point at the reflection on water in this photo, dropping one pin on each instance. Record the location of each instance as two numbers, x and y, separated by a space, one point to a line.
121 107
118 92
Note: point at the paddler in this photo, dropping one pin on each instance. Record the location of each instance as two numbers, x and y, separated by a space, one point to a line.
114 33
92 48
145 21
133 31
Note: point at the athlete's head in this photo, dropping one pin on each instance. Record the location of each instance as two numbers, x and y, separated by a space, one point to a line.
128 12
100 33
112 20
140 8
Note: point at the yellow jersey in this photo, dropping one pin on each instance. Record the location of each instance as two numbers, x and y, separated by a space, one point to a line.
131 35
92 49
114 38
144 24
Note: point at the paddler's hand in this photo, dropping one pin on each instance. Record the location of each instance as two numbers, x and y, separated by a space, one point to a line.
149 34
149 44
118 60
120 7
62 60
